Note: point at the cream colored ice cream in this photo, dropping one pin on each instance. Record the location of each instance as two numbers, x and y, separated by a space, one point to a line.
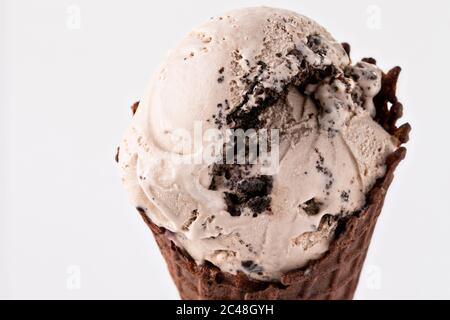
256 68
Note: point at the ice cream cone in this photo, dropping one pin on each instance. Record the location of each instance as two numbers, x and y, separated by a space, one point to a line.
334 276
233 231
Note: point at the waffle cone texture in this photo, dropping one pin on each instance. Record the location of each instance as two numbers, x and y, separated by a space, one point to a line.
335 275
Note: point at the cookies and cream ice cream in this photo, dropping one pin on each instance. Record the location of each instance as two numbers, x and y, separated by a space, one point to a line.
260 69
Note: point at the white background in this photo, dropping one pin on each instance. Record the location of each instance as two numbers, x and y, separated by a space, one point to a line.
66 87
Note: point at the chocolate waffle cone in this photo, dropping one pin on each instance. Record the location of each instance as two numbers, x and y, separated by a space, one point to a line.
333 276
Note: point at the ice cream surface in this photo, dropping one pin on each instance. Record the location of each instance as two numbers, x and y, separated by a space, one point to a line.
256 68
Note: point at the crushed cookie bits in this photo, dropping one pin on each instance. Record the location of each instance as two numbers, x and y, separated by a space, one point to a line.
221 77
345 195
320 167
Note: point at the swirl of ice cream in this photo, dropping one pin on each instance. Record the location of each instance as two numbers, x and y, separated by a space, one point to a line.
256 68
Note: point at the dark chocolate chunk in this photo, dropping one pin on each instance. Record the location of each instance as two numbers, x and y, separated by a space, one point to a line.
311 207
242 192
232 201
254 186
258 204
251 266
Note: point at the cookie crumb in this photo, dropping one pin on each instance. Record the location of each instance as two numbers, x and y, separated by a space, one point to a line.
311 207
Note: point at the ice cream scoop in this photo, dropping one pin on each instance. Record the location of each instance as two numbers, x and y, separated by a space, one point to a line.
256 69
